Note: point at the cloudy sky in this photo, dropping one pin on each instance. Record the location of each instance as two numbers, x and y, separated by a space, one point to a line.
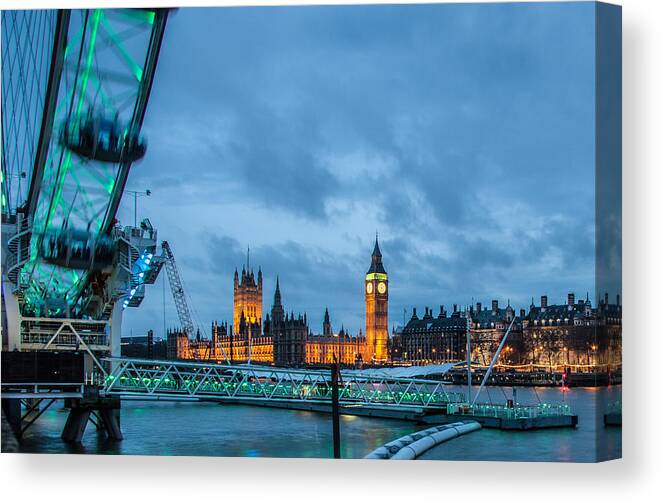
463 134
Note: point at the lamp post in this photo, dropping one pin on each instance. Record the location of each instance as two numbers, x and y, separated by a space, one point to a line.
335 398
594 363
137 194
593 354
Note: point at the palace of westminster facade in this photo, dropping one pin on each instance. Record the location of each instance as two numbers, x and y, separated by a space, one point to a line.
573 334
285 339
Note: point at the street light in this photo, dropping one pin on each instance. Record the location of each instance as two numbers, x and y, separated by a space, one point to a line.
137 194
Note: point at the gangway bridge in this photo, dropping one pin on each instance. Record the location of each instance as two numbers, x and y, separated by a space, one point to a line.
310 389
365 394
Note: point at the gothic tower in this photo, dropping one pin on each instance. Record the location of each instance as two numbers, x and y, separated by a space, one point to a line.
327 325
277 311
248 299
376 310
278 326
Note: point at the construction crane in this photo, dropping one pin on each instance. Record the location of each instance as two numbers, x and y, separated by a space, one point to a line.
179 296
178 293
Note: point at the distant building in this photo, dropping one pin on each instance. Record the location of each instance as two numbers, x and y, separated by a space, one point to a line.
429 339
144 347
285 339
294 344
376 310
178 345
247 301
322 349
573 335
487 330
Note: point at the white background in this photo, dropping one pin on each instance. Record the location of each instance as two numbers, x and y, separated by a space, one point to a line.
636 477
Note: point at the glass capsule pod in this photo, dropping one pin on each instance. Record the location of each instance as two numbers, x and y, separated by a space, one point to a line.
98 138
78 249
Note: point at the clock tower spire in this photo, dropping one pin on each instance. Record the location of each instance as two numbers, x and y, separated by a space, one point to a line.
376 309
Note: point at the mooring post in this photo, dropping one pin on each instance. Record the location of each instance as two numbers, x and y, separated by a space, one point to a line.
335 396
12 413
76 423
106 410
110 418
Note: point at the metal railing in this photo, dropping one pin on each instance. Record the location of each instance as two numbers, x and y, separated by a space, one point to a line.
59 333
38 390
510 412
18 247
198 381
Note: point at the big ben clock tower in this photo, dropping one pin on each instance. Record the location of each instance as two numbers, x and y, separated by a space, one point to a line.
376 310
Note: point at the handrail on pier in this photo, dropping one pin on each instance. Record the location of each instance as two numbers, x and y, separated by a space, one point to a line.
196 381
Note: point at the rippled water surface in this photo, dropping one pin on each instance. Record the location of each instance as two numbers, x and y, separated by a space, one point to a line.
588 442
159 428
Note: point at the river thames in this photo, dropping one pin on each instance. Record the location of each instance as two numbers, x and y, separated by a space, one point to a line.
209 429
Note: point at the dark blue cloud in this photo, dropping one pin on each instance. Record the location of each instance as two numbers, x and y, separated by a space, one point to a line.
463 133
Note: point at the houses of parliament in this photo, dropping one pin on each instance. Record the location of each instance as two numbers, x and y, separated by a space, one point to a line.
573 334
284 338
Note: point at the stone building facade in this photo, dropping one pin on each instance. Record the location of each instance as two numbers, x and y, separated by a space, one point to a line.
573 335
487 329
284 338
376 310
247 300
433 339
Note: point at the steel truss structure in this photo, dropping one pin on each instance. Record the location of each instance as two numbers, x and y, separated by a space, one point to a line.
177 288
45 333
34 411
150 379
59 66
42 391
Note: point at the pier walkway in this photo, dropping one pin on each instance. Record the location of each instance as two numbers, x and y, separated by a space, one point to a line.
370 393
307 389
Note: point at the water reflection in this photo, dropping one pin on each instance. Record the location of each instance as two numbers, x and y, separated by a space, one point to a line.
589 442
227 430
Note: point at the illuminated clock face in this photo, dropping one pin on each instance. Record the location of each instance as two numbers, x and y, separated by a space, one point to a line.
370 288
381 287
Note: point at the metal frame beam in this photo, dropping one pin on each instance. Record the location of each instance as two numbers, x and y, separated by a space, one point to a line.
151 379
147 81
63 188
52 91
